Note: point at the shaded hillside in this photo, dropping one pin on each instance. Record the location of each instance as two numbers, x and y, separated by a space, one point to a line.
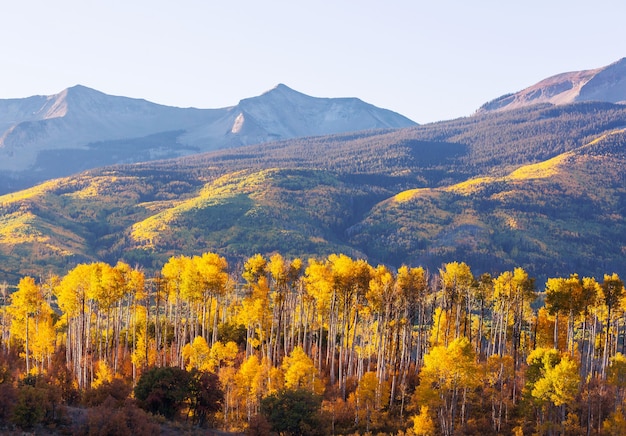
456 190
430 154
564 215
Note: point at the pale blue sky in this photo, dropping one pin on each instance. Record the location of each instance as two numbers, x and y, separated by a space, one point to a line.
429 60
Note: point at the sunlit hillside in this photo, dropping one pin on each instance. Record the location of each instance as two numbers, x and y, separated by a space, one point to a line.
299 212
537 187
557 216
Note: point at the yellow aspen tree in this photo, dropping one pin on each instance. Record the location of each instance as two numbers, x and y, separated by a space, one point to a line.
559 384
412 286
44 340
382 300
197 355
173 271
351 280
366 398
212 271
135 284
319 284
612 290
248 380
27 309
106 291
423 423
456 283
284 301
144 354
484 298
271 378
591 298
438 336
228 380
300 372
616 376
513 294
278 272
255 314
72 297
223 354
447 378
104 374
256 308
254 268
565 295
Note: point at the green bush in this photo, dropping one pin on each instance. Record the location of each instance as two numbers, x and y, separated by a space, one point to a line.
29 410
293 412
163 391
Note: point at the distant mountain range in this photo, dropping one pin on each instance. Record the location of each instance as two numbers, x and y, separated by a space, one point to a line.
607 84
540 186
42 137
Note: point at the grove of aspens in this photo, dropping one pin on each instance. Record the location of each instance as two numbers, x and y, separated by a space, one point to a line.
304 347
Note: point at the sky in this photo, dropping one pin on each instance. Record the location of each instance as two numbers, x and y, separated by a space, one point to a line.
427 60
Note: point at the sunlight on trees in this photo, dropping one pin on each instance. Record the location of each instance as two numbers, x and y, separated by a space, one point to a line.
393 352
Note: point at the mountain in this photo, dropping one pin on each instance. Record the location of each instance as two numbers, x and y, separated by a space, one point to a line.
540 187
563 215
42 137
606 84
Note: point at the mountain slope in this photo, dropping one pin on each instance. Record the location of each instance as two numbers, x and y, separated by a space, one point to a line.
43 137
606 84
564 215
539 187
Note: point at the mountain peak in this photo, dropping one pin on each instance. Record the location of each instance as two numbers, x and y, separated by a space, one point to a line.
71 99
80 88
283 113
282 90
605 84
281 87
80 91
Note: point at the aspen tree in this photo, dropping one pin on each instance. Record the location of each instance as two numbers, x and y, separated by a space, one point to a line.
411 285
446 379
612 289
351 280
72 297
319 284
213 280
28 309
423 424
300 372
456 284
174 274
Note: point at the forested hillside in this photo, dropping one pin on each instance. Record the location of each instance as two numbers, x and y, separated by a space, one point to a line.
339 193
558 216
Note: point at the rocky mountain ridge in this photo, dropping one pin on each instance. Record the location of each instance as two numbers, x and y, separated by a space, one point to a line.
606 84
42 137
